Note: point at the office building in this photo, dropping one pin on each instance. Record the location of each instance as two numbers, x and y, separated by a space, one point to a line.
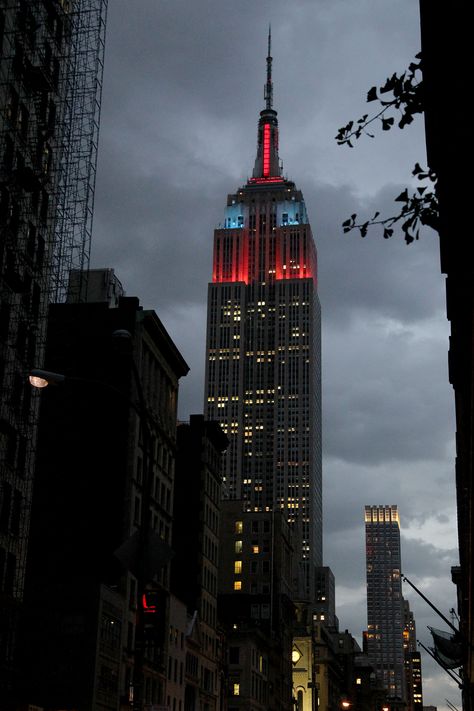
385 612
324 608
263 370
255 606
413 673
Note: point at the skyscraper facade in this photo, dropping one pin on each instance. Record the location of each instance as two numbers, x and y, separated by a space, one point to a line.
413 673
263 369
385 611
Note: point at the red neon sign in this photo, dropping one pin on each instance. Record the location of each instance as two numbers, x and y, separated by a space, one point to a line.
266 150
150 602
274 179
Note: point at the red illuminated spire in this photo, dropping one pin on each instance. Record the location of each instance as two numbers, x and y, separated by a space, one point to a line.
267 163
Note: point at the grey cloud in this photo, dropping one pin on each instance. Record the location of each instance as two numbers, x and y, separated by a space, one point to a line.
183 88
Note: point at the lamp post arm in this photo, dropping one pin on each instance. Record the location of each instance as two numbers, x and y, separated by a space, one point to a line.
51 378
405 579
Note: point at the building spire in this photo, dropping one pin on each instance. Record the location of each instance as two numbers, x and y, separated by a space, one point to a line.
269 85
267 163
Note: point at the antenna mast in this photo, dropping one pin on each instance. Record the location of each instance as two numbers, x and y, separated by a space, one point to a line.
269 85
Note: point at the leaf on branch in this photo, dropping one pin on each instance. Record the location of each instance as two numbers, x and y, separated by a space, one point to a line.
363 118
372 94
419 209
387 123
403 197
405 120
363 229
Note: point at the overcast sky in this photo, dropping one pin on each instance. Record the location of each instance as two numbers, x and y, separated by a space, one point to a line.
183 87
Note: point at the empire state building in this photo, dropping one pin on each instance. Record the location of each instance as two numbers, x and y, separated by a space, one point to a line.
263 349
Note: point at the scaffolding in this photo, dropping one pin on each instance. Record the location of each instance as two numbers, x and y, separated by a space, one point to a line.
81 89
51 68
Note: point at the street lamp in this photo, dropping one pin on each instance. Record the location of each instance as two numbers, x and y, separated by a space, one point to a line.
144 551
42 378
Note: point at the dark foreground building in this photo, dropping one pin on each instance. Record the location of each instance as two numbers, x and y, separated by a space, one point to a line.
105 469
51 60
446 49
196 546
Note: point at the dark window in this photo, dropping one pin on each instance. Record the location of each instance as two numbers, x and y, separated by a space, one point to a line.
16 513
5 506
10 574
234 654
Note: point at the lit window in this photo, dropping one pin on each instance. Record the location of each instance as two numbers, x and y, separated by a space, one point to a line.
358 680
323 617
237 585
238 547
239 526
255 549
236 689
237 567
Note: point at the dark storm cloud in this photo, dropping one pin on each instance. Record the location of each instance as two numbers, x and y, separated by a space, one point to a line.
373 276
183 87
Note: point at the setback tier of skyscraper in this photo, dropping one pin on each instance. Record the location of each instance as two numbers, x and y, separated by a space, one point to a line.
263 369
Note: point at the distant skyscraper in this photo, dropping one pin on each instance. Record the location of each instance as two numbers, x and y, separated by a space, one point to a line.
413 674
263 371
385 616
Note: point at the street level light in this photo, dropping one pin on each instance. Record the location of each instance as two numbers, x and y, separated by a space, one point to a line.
144 550
42 378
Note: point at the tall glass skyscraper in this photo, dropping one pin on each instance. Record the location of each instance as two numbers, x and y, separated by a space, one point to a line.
263 370
385 609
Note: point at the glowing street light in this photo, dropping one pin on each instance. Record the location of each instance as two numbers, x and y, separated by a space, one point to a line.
42 378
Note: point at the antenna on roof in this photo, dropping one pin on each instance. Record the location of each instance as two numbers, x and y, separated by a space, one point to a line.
269 85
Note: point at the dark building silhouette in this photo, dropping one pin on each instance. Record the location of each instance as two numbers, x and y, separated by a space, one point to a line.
255 606
446 51
263 371
413 672
324 608
196 545
51 60
95 465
